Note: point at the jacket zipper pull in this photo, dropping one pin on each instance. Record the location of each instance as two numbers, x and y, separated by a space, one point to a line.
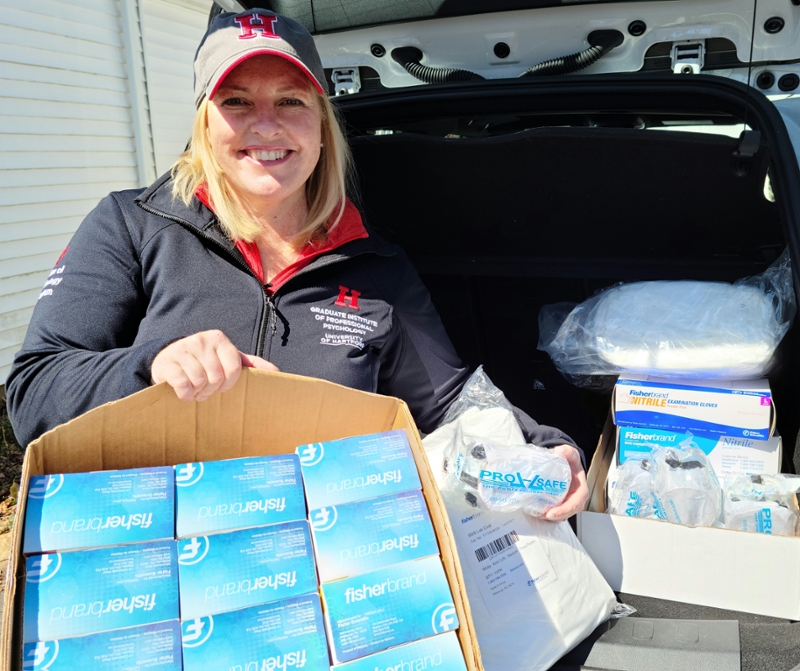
273 318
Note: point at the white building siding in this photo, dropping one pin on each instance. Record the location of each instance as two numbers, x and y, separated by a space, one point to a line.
95 96
171 32
65 139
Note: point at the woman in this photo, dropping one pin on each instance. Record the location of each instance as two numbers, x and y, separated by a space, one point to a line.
247 254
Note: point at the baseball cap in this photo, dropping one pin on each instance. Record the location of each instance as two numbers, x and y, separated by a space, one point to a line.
233 38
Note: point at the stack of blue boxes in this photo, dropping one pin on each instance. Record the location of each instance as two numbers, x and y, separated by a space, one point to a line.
383 582
217 565
101 588
247 576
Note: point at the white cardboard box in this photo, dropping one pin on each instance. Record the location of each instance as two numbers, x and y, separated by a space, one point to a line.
735 570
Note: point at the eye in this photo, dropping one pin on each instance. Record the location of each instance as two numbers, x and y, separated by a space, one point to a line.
293 102
233 102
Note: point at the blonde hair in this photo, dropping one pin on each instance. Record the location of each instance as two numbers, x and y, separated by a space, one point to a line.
326 188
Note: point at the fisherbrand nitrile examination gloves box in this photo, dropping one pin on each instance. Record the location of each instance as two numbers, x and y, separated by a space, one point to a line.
245 568
280 636
238 493
439 653
728 455
389 607
361 467
741 408
88 591
88 510
151 646
367 535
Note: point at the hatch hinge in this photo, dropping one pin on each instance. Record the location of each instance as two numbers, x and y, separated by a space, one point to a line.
346 81
749 144
688 57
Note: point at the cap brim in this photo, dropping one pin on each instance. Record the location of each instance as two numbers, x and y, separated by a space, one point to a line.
259 52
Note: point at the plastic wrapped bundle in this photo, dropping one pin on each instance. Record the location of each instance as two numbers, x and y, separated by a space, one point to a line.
635 492
676 485
505 478
688 487
762 504
681 329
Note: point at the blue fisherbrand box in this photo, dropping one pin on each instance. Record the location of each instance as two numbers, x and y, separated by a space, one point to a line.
361 467
234 570
151 646
389 607
89 591
89 510
234 494
439 653
279 636
364 536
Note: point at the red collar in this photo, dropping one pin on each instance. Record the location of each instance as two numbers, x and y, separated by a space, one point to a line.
349 228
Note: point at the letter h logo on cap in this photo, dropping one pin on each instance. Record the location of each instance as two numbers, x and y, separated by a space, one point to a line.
256 25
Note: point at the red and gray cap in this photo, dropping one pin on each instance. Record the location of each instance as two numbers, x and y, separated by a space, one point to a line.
233 38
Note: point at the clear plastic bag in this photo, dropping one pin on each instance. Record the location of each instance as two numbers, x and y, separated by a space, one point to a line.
676 485
505 478
495 474
681 329
762 504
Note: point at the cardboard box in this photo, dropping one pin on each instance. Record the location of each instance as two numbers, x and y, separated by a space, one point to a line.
235 494
740 408
245 568
78 511
368 535
264 413
727 455
283 636
735 570
151 646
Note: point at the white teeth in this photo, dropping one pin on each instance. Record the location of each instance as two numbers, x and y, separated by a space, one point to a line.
261 155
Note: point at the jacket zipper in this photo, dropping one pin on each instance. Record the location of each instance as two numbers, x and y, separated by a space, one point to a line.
267 313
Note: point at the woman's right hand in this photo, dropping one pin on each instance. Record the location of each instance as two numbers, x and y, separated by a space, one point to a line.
200 364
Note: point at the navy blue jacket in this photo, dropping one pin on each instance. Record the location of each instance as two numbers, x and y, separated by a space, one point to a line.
144 270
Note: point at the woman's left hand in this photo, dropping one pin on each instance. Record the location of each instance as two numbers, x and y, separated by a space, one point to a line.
578 493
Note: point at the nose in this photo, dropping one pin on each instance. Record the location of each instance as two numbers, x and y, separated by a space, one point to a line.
266 121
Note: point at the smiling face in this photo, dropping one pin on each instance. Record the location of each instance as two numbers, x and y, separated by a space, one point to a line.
264 128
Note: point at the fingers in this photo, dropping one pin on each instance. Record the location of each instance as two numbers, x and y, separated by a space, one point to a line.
578 492
252 361
201 364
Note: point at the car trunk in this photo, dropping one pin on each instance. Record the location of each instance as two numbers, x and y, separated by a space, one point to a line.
509 196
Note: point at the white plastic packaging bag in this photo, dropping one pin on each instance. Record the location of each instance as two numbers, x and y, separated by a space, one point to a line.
679 329
543 594
548 595
762 504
